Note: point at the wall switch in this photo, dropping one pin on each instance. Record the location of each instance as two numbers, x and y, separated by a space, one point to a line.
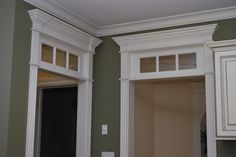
108 154
104 129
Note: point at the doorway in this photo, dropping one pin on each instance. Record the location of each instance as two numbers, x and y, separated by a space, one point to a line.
169 118
58 125
56 115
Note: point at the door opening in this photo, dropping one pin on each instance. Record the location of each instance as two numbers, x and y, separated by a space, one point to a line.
169 118
56 118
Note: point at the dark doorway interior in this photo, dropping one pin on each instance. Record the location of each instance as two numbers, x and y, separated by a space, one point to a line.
58 125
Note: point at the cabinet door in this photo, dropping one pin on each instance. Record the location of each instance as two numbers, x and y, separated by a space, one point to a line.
225 75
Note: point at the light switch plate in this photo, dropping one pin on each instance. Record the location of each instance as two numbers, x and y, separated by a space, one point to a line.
108 154
104 129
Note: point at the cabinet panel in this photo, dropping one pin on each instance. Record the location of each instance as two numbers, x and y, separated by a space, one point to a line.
225 76
231 90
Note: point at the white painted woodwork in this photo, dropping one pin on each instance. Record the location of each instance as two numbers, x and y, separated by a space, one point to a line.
225 76
164 43
168 21
32 92
58 34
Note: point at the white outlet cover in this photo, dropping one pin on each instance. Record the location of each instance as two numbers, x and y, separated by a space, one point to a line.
104 129
108 154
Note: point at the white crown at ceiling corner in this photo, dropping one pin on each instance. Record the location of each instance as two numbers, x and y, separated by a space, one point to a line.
81 22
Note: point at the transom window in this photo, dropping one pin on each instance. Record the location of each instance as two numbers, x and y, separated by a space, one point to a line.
59 57
165 63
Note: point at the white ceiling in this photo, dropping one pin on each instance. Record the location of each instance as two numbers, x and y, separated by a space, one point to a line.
111 12
107 17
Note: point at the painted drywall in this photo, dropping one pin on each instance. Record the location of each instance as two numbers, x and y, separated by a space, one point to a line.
19 81
106 100
144 120
173 119
106 93
7 13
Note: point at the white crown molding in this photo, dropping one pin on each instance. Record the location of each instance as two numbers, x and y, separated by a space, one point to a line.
50 25
65 14
222 46
165 39
183 19
223 43
170 21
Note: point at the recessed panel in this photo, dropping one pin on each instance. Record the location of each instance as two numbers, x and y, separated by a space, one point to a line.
47 53
187 61
73 62
167 63
148 64
61 58
231 90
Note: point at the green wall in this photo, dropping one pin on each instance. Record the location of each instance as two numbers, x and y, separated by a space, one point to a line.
15 39
19 81
6 43
106 100
106 93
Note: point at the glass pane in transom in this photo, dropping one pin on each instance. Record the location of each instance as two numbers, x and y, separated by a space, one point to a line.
73 62
47 53
61 58
147 64
167 63
187 61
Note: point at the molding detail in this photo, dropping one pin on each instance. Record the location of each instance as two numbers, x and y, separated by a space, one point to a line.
124 79
170 21
223 43
225 59
163 43
65 14
47 28
166 39
183 19
47 24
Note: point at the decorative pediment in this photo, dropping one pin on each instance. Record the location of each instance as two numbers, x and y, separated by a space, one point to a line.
56 28
163 54
166 39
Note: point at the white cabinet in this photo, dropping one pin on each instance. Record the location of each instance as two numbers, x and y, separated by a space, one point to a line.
225 84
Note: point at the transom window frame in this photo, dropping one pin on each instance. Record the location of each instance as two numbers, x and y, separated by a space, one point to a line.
49 29
140 45
57 44
135 57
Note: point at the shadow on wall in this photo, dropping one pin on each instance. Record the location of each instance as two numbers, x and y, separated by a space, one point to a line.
203 137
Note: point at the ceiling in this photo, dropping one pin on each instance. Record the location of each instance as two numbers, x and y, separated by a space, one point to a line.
110 12
103 14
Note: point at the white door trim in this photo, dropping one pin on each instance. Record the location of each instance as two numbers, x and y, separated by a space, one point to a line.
47 25
132 45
